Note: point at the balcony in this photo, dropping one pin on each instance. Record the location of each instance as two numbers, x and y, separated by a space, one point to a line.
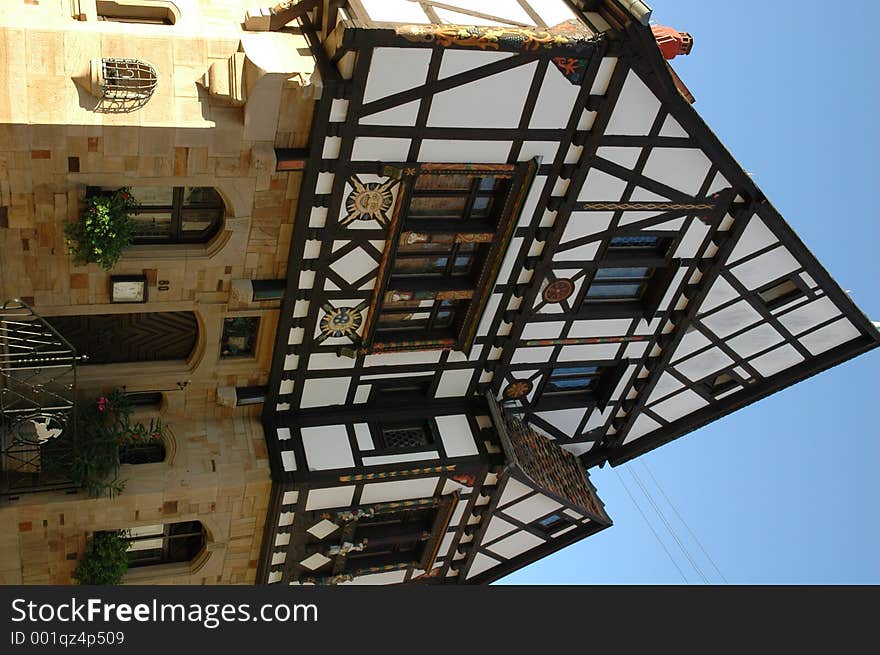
37 412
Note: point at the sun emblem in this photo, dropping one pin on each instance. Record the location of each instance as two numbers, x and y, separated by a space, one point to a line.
558 290
518 389
368 201
341 322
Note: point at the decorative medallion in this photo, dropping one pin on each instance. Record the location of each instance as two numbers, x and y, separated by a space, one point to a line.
368 201
558 290
518 389
341 322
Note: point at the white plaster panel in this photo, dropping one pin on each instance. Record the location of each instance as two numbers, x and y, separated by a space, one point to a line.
689 246
459 61
706 363
338 110
720 293
496 101
377 460
542 330
480 564
636 109
684 169
531 509
516 544
756 236
679 405
531 355
329 497
589 353
641 426
566 420
513 489
777 360
319 361
555 101
498 527
390 577
582 224
692 341
553 12
765 268
368 148
323 392
405 114
401 359
289 497
457 151
603 76
731 319
454 383
546 150
624 156
600 186
388 77
362 393
673 128
665 386
456 435
332 144
830 336
755 340
327 447
363 436
584 253
600 328
806 316
385 492
288 460
395 11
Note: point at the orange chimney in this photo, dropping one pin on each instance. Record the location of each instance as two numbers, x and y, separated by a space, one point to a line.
672 42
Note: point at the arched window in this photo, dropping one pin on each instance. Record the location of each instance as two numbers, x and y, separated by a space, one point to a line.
164 544
176 214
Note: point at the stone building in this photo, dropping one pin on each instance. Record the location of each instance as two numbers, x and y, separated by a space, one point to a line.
200 153
403 271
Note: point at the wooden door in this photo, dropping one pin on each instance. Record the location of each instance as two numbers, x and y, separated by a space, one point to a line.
115 338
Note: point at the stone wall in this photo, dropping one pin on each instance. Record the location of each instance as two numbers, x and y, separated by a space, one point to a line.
53 144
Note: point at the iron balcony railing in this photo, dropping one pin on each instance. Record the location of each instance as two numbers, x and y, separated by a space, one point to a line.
37 409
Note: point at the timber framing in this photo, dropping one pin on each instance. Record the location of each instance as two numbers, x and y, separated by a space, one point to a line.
583 183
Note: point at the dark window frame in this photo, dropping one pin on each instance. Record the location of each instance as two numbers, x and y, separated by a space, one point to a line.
171 532
597 394
457 295
562 522
800 291
661 268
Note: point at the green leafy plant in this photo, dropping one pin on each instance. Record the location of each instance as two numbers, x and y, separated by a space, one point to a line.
92 457
104 228
105 560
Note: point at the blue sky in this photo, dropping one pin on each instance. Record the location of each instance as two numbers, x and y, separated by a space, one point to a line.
785 490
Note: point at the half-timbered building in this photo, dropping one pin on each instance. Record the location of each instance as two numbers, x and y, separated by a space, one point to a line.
401 273
518 253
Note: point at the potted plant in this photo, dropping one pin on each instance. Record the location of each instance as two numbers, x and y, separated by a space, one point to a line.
103 426
104 228
105 560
